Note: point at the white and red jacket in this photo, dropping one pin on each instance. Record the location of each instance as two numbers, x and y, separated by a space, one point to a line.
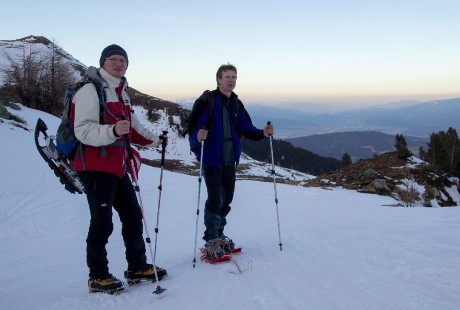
97 137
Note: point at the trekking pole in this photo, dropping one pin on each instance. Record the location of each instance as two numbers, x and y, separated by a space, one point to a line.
198 204
274 185
158 289
160 189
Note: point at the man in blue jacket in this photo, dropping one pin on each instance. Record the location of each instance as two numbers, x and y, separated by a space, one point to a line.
221 123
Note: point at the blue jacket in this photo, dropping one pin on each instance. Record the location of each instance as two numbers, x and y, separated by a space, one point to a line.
240 124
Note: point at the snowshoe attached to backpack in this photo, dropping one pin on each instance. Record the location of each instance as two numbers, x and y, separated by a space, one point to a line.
59 150
60 164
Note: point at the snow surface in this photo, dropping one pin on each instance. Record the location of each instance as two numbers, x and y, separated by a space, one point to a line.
341 249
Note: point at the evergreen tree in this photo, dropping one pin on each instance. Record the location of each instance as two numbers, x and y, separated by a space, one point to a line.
452 142
422 154
444 151
346 160
401 147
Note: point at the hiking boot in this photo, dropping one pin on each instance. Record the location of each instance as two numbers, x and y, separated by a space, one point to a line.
214 249
108 284
147 273
226 244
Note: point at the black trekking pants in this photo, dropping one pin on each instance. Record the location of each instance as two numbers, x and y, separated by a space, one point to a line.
104 191
220 184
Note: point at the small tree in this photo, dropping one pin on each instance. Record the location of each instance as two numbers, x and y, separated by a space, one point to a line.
346 160
22 74
58 75
39 78
409 194
422 153
443 151
401 147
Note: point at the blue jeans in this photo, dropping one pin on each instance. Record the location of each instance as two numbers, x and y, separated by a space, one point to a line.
220 184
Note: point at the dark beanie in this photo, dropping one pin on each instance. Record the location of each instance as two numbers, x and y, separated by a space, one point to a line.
112 50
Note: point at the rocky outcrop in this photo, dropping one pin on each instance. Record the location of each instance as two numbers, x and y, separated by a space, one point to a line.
412 182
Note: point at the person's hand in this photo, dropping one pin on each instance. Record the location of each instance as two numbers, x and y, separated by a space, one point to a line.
122 127
163 138
202 134
268 130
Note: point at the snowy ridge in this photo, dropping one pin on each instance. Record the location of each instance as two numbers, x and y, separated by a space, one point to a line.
32 44
341 249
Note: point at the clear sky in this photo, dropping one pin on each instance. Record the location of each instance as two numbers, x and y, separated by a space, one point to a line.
337 51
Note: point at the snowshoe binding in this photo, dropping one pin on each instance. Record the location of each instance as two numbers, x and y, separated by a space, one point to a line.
61 165
228 245
219 250
213 252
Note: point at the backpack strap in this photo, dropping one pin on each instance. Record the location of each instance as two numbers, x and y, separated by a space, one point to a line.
94 76
197 110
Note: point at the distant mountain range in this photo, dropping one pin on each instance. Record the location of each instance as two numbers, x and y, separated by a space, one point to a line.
418 120
358 144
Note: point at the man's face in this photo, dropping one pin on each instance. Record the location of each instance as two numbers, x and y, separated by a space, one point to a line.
227 82
116 65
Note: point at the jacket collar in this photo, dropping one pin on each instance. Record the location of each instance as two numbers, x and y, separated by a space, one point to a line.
111 81
233 96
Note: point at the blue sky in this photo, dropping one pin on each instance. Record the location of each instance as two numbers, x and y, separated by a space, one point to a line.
331 51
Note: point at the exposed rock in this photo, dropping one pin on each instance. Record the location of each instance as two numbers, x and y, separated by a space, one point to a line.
432 192
389 175
380 186
4 112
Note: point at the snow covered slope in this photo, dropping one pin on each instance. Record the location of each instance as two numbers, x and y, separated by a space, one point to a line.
341 249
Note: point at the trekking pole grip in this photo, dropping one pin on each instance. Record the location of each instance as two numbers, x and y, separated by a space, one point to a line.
163 143
268 124
163 147
127 142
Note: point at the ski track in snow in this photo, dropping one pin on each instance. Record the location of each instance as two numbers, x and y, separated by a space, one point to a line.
341 249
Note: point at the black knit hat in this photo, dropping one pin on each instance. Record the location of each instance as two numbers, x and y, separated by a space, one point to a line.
112 50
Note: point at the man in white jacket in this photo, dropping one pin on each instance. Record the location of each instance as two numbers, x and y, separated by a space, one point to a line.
103 167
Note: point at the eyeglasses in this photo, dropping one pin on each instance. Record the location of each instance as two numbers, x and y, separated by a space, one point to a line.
122 61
